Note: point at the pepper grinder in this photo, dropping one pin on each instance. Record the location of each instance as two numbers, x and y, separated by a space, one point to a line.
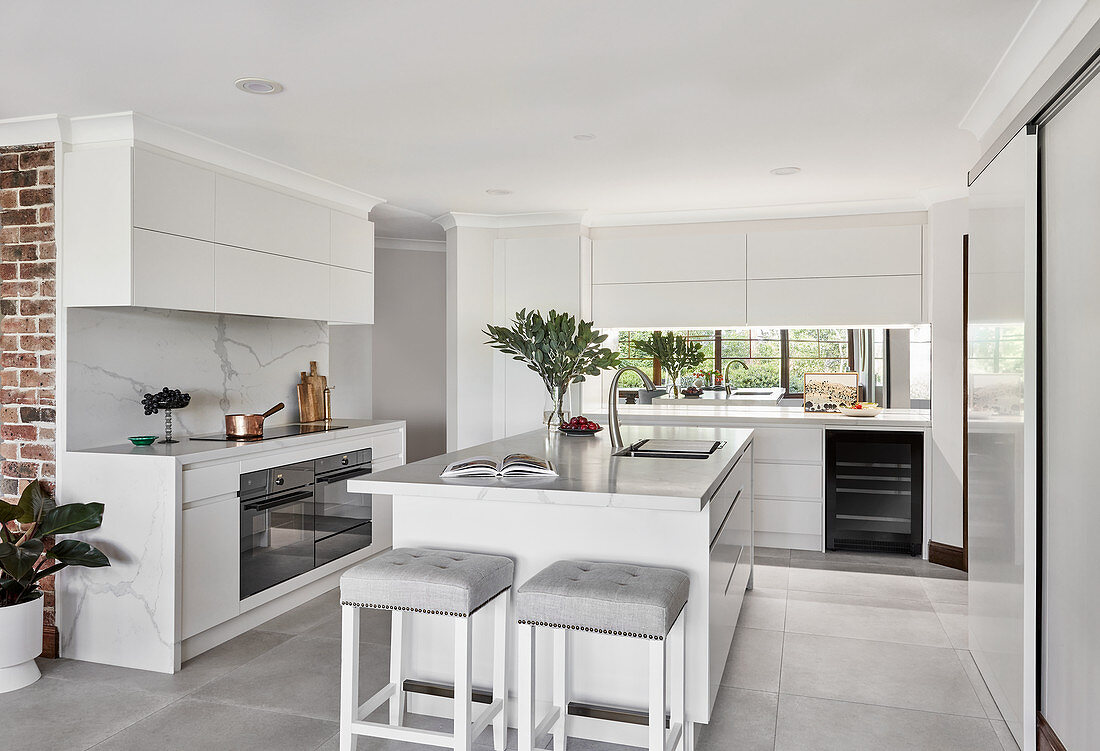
328 403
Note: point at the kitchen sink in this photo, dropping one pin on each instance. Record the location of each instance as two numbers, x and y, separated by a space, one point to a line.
656 448
752 392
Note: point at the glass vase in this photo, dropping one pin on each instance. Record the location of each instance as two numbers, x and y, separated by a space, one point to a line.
557 407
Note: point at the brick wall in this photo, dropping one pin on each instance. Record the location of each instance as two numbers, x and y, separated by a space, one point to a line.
27 331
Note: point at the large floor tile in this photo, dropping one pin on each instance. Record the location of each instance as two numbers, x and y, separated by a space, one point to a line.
1004 735
875 672
946 590
980 687
847 564
187 725
301 676
880 619
742 720
374 626
870 559
857 583
195 673
954 621
808 724
52 714
767 576
754 660
771 556
306 616
763 608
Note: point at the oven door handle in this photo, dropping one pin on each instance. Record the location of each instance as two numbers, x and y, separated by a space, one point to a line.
282 501
345 475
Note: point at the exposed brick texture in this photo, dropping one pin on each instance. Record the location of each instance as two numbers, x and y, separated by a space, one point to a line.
27 342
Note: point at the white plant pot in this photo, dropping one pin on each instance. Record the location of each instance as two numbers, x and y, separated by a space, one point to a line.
21 626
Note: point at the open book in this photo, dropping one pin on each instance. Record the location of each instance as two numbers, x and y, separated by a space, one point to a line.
512 465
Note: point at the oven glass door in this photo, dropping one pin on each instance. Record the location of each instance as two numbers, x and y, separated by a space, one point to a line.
343 517
277 539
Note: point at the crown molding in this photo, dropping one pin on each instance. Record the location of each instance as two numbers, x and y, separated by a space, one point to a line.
18 131
406 243
509 221
793 211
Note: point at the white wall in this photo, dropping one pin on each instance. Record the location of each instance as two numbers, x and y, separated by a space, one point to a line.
227 364
410 317
350 375
947 223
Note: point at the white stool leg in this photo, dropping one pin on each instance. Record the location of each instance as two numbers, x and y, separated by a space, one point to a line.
525 686
500 671
463 740
677 644
349 676
657 695
561 685
397 667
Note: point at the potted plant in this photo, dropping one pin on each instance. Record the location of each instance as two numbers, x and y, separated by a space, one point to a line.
25 561
676 353
559 348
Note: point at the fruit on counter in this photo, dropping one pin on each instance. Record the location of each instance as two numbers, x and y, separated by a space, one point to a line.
581 422
864 405
692 391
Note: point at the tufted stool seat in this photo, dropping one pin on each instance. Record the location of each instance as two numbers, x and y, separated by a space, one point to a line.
441 582
620 599
433 583
609 598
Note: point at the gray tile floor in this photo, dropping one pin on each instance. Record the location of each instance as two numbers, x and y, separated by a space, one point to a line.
833 651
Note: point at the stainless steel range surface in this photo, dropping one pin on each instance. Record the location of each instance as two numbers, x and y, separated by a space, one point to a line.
277 431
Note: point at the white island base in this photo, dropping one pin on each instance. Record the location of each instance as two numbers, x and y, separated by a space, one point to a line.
607 517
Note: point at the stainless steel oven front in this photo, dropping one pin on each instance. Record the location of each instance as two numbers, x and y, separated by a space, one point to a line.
343 523
277 526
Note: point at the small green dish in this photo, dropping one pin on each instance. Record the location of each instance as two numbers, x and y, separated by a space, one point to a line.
142 440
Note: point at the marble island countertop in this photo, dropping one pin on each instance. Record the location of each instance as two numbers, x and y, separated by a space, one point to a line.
188 451
726 415
588 473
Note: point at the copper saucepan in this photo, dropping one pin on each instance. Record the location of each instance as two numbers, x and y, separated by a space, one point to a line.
248 426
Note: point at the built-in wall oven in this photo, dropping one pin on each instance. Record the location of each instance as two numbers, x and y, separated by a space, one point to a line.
300 516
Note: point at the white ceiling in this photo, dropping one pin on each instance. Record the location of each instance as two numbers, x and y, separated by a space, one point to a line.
428 104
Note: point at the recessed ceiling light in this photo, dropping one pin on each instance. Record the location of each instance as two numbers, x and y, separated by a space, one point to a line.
585 137
498 192
786 170
258 85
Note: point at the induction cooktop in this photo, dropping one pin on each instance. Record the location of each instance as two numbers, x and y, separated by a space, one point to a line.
276 431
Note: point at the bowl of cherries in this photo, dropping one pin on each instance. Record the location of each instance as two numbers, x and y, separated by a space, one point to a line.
580 425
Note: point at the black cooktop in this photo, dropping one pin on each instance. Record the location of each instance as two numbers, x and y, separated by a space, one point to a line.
276 431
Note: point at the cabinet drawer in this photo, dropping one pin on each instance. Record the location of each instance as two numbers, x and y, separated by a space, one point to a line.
207 482
789 444
386 444
261 284
210 578
736 488
173 196
352 296
172 271
791 517
352 242
250 216
796 481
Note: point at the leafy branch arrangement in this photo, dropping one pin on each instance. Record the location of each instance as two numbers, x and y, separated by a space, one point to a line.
24 560
559 348
676 353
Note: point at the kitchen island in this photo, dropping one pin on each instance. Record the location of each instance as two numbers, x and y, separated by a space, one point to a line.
691 514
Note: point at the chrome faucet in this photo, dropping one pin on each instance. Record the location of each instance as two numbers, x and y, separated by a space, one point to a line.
726 373
613 403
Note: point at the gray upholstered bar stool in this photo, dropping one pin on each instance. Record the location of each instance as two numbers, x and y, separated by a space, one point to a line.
436 582
639 602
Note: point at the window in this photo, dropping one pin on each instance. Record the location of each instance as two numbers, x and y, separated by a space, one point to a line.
996 349
775 358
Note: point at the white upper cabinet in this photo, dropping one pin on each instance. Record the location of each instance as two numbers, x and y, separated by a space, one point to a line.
259 218
173 196
264 284
668 305
352 242
351 296
840 301
668 258
861 251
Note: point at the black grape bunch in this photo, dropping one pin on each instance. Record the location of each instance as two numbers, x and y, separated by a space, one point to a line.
165 399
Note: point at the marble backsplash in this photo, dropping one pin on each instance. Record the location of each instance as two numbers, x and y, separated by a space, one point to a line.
227 363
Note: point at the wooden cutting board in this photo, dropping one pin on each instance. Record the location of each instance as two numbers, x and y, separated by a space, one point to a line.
311 394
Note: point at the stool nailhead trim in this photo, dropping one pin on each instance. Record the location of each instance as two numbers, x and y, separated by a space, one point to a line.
399 607
593 630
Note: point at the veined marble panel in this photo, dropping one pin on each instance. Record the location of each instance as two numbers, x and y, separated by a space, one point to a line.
227 363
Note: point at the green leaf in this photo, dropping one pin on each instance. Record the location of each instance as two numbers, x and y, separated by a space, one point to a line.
72 517
77 553
9 512
18 560
34 501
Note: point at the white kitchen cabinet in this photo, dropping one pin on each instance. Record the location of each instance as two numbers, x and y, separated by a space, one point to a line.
172 196
262 284
789 445
170 271
669 305
857 251
713 257
352 241
796 481
840 301
789 517
260 218
210 574
352 296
